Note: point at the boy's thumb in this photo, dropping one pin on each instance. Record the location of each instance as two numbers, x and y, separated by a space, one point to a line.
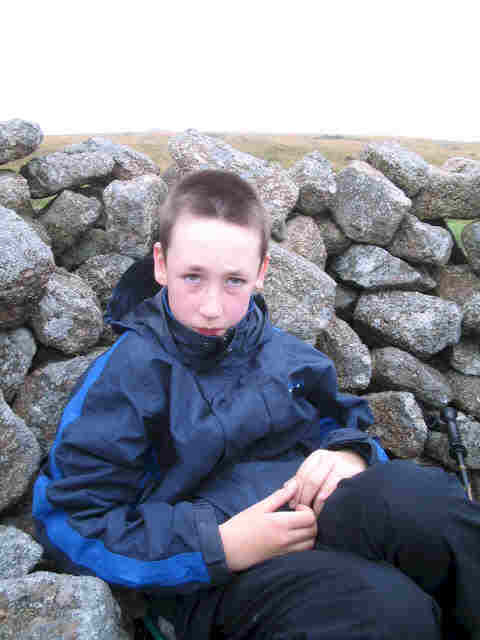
280 497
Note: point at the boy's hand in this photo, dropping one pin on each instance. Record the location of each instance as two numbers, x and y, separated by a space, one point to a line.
260 532
319 474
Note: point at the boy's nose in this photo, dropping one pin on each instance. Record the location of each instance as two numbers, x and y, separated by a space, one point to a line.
211 307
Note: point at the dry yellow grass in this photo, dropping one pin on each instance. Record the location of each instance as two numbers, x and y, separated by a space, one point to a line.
283 148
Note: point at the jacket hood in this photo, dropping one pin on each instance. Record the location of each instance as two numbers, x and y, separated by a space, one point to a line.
138 301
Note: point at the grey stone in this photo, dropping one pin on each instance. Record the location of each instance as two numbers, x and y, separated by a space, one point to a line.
351 357
92 243
345 301
18 138
458 283
406 169
20 553
371 267
437 445
67 217
54 172
397 370
335 241
49 606
171 176
304 238
17 348
471 243
421 242
193 151
466 392
465 356
128 163
300 296
448 195
420 324
398 423
471 315
45 392
14 193
102 273
68 316
25 267
19 456
462 165
368 207
314 176
132 209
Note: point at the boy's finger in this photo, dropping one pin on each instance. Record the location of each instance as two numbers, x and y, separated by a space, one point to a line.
278 498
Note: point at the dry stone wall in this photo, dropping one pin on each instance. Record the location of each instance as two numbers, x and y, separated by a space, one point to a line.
362 267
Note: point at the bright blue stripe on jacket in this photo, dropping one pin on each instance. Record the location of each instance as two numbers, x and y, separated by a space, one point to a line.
91 552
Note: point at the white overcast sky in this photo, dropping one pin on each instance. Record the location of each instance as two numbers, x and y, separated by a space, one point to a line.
379 67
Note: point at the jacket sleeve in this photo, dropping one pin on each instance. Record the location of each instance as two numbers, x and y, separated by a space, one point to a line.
97 503
343 418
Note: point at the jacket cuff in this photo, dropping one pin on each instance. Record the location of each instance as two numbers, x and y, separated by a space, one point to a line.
211 545
356 441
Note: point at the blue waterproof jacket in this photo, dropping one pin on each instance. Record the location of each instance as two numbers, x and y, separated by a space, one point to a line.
169 433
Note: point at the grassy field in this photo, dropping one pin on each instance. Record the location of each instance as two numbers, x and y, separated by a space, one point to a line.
283 148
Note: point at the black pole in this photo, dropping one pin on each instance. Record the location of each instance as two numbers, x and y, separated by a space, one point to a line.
457 450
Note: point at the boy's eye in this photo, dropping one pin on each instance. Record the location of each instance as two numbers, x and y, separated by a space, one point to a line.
235 282
192 277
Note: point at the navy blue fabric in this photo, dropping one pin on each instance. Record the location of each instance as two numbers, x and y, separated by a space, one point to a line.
169 433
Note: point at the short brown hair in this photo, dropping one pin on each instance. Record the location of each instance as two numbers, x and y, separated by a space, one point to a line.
215 194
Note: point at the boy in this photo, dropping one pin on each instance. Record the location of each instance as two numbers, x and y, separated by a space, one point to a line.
209 458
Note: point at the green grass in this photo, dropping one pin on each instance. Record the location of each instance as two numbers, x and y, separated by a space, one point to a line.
456 226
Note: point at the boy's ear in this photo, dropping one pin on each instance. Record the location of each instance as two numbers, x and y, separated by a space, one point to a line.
261 273
160 267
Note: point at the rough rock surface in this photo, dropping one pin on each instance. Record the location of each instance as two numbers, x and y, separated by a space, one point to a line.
314 176
17 348
193 151
420 242
465 356
398 422
423 325
304 237
18 138
102 273
448 195
14 193
466 392
128 163
368 207
371 267
335 241
45 392
437 445
471 315
397 370
461 165
471 243
20 553
67 217
25 267
49 174
92 243
68 316
458 283
47 606
132 208
19 456
300 296
406 169
352 358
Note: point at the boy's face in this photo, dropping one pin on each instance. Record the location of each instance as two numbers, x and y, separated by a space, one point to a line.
211 269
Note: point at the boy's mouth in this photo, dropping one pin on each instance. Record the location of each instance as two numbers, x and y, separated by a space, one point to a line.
210 332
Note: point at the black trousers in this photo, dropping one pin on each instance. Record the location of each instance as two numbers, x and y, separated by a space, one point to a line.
397 557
